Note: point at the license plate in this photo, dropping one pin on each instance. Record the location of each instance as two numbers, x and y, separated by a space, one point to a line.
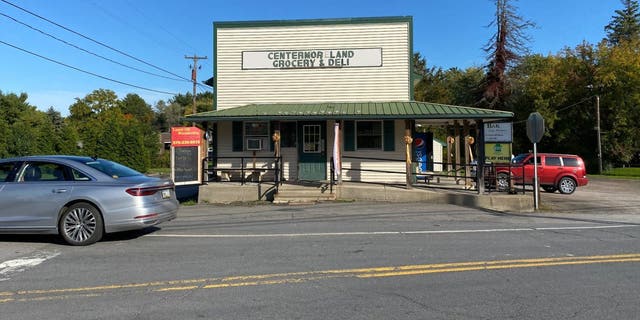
166 194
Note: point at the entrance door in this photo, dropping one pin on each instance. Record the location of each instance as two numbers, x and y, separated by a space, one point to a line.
312 154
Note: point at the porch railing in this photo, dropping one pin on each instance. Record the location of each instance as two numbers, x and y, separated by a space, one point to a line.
497 177
243 169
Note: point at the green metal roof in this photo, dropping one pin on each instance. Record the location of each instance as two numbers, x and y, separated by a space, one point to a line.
350 111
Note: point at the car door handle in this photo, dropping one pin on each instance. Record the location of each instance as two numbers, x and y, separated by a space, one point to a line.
59 190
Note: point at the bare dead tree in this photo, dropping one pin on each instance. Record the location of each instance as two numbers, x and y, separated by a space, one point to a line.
504 49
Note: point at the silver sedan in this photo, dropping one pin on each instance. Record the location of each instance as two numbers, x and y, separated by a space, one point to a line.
80 198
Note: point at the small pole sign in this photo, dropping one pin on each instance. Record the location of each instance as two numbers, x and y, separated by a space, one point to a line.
535 131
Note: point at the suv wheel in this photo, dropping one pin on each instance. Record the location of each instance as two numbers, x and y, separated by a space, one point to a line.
502 182
567 185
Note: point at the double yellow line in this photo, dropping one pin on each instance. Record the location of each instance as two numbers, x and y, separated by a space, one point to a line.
298 277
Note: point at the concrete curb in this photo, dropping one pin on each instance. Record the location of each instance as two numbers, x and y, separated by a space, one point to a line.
233 193
494 202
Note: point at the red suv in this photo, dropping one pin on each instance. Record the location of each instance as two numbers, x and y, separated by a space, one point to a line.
563 172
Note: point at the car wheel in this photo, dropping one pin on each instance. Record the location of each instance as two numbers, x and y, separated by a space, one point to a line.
81 224
502 182
550 189
567 185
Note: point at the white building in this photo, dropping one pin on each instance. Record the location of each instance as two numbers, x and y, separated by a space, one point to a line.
337 89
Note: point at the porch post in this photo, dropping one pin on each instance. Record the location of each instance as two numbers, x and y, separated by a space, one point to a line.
408 140
480 156
468 157
337 149
456 148
276 154
276 142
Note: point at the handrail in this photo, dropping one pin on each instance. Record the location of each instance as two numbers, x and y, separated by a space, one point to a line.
273 164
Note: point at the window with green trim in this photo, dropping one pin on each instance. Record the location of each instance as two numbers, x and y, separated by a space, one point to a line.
256 135
369 135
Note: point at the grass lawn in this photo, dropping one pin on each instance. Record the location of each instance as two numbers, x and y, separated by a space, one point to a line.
159 171
623 172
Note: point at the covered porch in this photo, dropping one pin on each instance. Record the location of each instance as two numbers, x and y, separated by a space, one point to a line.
343 142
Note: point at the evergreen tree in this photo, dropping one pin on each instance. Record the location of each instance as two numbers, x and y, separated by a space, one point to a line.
625 25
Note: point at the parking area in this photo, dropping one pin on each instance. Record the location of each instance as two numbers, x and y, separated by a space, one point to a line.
601 195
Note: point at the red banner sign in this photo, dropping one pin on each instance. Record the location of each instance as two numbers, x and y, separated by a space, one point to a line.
186 136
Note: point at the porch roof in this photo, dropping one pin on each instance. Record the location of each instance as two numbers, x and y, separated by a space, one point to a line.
350 111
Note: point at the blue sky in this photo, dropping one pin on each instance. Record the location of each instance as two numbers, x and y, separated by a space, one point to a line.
161 32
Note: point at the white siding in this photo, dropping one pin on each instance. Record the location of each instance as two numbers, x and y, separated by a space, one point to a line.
237 87
290 163
398 167
225 149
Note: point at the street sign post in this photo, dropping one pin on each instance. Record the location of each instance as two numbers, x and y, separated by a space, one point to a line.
535 131
535 127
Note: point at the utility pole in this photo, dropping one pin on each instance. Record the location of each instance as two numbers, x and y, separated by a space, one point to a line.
590 87
598 131
194 72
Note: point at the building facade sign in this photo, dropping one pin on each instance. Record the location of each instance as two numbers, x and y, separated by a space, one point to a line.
498 152
186 136
498 132
312 59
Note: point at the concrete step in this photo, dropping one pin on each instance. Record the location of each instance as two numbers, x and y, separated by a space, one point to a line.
303 193
278 199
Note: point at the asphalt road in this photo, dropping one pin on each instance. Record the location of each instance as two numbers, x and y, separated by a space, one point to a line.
601 195
336 261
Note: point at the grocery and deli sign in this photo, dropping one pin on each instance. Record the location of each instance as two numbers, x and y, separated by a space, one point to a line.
186 136
312 59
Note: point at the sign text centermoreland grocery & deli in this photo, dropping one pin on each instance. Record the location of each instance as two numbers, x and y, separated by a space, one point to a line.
312 59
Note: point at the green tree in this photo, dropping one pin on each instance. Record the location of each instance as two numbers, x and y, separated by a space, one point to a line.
119 130
618 80
168 115
24 127
134 105
625 25
453 86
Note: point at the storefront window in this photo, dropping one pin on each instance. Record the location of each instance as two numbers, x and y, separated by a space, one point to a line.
369 135
312 138
256 134
288 134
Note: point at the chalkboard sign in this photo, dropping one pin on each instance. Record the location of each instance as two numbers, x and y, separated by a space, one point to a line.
185 165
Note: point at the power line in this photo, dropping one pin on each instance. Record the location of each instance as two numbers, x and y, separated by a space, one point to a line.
87 51
84 71
158 25
563 109
92 40
575 104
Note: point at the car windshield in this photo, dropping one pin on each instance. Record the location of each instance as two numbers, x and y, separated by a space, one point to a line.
111 168
519 158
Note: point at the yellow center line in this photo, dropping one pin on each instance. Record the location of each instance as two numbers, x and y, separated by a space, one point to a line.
493 267
305 276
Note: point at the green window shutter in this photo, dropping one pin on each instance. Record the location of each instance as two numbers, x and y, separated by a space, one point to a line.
349 136
388 128
236 133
